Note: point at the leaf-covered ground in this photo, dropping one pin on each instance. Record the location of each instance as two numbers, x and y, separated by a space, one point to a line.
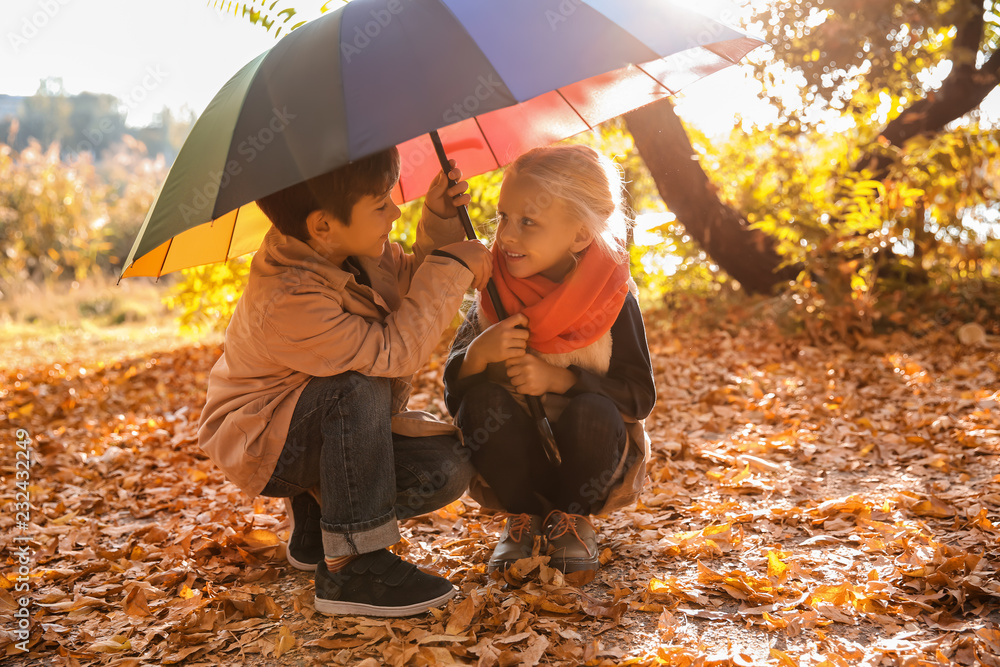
807 504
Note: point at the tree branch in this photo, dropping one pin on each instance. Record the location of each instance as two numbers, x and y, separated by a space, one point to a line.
962 91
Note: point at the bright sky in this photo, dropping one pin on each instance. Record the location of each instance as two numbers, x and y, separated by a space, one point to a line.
152 54
149 54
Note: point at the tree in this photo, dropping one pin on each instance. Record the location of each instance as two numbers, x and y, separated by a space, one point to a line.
166 134
79 123
89 122
874 63
723 232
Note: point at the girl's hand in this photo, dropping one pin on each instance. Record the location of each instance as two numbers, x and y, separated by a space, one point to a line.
444 201
504 340
532 376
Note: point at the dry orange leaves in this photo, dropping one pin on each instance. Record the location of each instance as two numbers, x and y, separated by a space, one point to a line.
805 506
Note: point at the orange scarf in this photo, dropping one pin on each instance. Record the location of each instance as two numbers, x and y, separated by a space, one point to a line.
565 316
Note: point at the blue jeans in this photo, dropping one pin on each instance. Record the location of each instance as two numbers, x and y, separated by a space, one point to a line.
507 451
341 443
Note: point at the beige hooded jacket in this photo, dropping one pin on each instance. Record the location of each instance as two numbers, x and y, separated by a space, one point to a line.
302 317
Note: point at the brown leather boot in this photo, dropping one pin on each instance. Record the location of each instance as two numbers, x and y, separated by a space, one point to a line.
517 540
572 546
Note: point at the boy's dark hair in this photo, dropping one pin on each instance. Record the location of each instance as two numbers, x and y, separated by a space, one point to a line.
336 191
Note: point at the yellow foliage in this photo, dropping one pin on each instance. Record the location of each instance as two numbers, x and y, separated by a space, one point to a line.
70 217
204 300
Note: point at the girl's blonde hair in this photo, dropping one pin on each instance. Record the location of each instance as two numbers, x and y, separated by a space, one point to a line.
589 184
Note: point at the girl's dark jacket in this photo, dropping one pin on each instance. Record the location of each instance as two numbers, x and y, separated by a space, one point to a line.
617 366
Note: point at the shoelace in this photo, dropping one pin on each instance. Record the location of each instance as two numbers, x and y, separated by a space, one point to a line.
519 524
563 523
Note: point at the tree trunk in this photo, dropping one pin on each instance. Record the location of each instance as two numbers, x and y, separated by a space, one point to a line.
723 232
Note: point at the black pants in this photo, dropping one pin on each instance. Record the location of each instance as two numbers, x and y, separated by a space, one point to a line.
507 451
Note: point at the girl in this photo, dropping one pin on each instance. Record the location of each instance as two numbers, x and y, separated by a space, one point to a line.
575 337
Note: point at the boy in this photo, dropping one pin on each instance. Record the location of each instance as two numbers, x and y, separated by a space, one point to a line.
307 400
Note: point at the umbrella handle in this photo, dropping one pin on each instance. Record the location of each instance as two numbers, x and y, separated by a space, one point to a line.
463 210
535 407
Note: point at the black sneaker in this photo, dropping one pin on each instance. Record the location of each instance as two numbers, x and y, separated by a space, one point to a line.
305 536
379 583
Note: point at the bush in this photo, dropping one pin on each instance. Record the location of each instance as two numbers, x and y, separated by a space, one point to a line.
70 219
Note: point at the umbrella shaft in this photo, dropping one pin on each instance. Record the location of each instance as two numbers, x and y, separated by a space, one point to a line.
470 231
534 402
463 211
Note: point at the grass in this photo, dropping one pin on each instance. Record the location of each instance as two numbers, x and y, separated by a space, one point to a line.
88 321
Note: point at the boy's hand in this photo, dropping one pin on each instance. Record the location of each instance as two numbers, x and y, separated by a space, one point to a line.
444 201
532 376
502 341
477 257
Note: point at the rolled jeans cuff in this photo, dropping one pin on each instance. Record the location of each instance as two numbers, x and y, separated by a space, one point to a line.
360 539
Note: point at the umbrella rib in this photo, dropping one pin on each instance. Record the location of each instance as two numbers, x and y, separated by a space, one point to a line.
164 262
657 81
232 234
486 141
713 49
578 114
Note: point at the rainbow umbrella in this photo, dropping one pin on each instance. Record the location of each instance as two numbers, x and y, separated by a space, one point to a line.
494 77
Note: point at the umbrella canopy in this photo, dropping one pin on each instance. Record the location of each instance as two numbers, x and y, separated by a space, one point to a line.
496 77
